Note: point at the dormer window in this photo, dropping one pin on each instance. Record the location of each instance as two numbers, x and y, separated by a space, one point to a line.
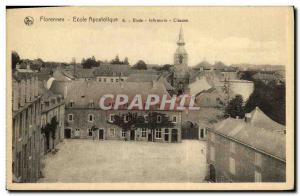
158 119
91 118
91 103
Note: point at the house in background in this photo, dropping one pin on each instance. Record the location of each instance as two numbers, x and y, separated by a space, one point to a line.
247 150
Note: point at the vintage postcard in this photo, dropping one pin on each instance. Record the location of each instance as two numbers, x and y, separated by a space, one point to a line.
150 98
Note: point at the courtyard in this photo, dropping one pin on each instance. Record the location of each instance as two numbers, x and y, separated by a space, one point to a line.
80 160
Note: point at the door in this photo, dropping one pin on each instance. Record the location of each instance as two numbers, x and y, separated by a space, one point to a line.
174 135
166 138
67 133
132 135
212 173
101 134
150 137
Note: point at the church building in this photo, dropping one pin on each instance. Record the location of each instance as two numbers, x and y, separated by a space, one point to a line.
180 75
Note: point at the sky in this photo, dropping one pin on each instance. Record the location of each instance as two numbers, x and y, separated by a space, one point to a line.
255 35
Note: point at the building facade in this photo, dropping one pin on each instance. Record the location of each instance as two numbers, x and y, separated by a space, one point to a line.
243 150
52 115
85 119
26 130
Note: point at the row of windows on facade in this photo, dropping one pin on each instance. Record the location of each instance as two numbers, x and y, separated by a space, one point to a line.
112 132
91 118
51 102
26 119
111 80
232 165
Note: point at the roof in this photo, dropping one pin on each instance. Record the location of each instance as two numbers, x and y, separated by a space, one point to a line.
259 118
83 92
112 70
199 85
252 134
84 73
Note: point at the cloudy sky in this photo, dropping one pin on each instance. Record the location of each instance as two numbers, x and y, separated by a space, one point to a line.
232 35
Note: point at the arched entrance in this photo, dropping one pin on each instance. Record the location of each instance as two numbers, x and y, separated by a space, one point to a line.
212 173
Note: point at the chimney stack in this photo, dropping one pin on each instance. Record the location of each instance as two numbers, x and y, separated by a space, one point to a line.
22 93
16 96
32 88
27 90
36 86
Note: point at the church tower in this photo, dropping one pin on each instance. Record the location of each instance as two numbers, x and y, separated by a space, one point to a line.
180 56
180 78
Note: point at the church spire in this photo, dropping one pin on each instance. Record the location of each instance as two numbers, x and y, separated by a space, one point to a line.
180 41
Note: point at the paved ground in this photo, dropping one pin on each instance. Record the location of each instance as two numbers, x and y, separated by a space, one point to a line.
120 161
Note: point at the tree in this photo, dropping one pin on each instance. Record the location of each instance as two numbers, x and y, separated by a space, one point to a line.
89 63
126 61
15 58
116 60
235 107
141 65
50 128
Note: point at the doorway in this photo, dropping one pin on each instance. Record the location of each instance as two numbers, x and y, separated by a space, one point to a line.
166 137
67 133
101 134
174 135
132 135
150 136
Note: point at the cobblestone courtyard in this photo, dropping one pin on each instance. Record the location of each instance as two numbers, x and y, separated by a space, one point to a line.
120 161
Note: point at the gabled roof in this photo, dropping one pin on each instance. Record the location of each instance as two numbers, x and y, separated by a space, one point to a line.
199 85
83 92
260 119
254 135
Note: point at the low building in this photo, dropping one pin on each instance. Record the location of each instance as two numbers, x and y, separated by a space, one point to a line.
26 132
85 119
247 150
52 117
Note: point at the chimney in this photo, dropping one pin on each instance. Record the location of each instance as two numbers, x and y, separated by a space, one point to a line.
27 90
36 86
22 93
15 96
32 88
247 117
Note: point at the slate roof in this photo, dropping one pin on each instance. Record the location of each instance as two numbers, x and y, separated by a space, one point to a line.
83 92
254 135
111 70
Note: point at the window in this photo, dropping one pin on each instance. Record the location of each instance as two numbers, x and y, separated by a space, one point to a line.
71 103
212 137
122 79
174 119
99 79
91 103
158 120
144 132
90 132
232 165
104 79
77 132
157 133
126 118
146 118
117 80
70 117
123 133
112 80
91 118
258 159
212 153
112 132
232 147
111 118
257 176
